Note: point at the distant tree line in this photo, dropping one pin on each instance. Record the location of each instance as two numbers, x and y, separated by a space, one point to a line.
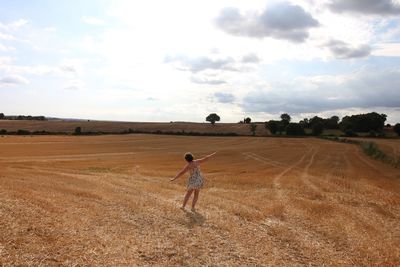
372 123
22 117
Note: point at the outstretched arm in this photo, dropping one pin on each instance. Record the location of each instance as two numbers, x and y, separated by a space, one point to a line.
181 172
205 158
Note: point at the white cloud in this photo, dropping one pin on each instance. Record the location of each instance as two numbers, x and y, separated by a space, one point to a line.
4 36
14 25
5 48
206 80
93 21
387 50
74 85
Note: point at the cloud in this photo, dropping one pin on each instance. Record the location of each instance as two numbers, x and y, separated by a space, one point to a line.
224 97
13 80
343 50
198 64
68 68
280 21
92 21
204 80
387 50
367 88
15 25
4 48
7 37
250 58
372 7
74 85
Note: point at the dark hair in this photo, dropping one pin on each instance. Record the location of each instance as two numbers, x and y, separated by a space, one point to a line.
189 157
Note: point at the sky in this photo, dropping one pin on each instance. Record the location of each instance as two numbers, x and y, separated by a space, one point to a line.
180 60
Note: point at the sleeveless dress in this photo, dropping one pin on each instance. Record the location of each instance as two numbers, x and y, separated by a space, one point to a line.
195 179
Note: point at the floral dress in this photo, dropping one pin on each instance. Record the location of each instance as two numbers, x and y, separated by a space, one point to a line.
195 179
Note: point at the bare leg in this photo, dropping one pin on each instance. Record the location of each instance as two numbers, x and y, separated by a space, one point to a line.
187 196
196 196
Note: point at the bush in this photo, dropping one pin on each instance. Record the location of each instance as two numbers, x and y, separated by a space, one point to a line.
317 128
396 129
372 150
3 131
295 129
272 126
350 133
372 133
253 128
78 130
23 132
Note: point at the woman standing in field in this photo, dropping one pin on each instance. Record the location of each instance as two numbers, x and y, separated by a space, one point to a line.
195 182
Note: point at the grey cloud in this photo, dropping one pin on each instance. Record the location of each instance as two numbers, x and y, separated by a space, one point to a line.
250 58
375 7
204 80
224 97
343 50
12 80
280 21
365 89
201 63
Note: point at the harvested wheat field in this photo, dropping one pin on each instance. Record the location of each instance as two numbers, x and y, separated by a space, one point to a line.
108 201
390 147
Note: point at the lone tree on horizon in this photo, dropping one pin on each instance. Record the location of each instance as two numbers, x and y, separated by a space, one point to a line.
213 117
285 119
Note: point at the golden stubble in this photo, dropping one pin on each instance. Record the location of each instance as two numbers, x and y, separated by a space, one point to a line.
107 200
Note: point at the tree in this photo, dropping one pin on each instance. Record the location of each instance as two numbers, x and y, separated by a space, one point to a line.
305 122
253 128
317 128
78 130
247 120
295 129
314 120
2 116
396 128
331 123
213 117
285 119
364 122
272 126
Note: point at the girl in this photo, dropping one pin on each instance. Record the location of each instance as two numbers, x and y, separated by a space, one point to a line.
195 181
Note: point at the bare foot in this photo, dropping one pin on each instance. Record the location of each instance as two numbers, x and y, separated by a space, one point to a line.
182 208
193 209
